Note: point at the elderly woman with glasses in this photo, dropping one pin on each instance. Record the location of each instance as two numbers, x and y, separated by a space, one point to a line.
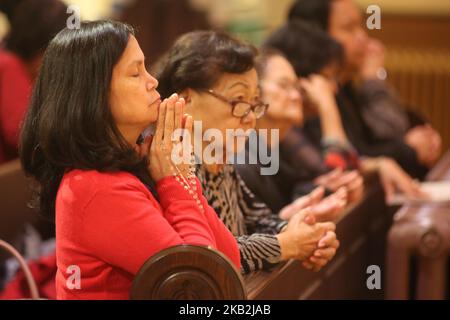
216 75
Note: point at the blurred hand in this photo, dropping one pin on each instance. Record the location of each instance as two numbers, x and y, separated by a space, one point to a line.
318 92
393 179
427 143
330 208
351 180
374 60
301 203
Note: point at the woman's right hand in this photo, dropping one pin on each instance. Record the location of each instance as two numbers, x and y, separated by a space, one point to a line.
302 203
301 237
336 179
323 209
159 148
427 143
394 178
328 246
331 207
319 92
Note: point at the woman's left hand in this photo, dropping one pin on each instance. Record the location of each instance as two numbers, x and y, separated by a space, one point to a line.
166 151
325 252
351 180
301 203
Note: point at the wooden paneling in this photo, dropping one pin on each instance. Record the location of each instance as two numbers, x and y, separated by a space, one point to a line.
159 22
429 32
418 63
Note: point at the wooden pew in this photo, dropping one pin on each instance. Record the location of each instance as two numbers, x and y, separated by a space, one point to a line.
190 272
14 197
362 232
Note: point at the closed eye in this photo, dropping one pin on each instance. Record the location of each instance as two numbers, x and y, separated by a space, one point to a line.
239 98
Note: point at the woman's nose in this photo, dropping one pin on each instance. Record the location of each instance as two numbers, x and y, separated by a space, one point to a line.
295 95
362 37
152 83
250 118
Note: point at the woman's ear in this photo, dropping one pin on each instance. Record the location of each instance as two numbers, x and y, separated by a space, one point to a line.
186 94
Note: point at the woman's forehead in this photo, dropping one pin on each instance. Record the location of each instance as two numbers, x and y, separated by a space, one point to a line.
232 81
279 67
132 54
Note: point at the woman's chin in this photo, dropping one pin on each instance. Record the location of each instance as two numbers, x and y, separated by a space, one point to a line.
152 118
299 121
295 118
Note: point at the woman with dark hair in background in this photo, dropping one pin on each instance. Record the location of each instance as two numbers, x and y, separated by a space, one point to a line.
279 87
116 203
317 61
216 75
375 122
33 23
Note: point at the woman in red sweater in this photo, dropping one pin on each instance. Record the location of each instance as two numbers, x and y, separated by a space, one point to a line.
20 58
116 202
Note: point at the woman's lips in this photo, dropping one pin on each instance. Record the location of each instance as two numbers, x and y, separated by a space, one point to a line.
157 101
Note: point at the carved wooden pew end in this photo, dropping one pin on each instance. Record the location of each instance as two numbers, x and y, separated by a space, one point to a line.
188 272
421 231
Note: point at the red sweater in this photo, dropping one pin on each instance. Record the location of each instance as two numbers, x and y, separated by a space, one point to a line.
15 90
109 224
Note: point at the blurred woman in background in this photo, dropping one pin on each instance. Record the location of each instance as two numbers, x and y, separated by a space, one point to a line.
374 120
317 61
279 87
33 23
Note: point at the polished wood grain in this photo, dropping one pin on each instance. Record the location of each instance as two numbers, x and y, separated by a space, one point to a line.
14 197
188 273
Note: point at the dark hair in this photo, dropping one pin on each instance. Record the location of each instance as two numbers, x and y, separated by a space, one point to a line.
8 7
69 124
199 58
33 24
307 48
316 12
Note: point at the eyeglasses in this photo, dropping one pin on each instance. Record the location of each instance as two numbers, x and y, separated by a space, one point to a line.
240 108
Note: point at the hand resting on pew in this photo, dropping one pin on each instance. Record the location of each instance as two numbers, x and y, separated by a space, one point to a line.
336 179
304 239
323 209
393 178
316 244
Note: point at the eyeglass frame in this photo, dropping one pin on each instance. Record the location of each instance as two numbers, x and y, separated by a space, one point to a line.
233 104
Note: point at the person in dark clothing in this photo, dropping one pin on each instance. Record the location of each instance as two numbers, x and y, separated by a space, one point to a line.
20 58
279 88
316 60
361 137
376 123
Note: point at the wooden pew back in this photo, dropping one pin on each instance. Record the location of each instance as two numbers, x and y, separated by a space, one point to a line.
14 197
